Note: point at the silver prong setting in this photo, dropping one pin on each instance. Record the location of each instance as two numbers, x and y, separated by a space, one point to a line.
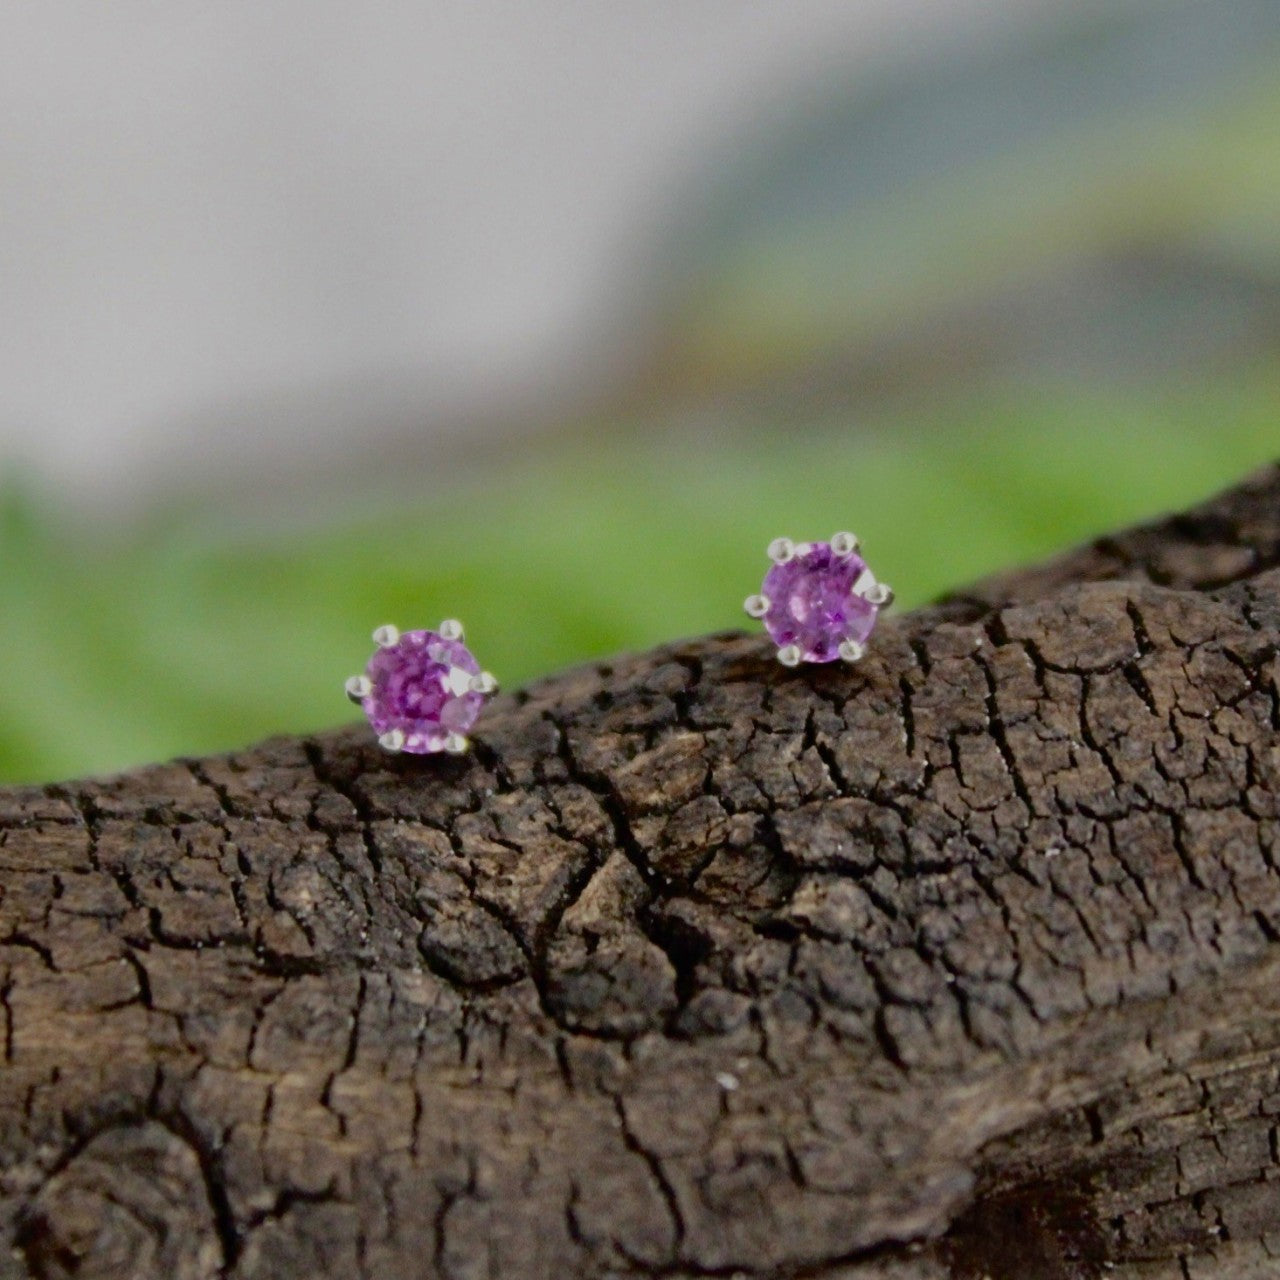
392 740
780 550
844 544
852 651
358 688
756 606
458 681
456 744
450 629
485 682
386 636
789 655
879 594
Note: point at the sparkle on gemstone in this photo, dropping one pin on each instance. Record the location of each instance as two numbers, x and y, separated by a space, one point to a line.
421 685
812 603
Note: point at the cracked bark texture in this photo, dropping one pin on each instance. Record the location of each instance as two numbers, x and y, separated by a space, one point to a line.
961 963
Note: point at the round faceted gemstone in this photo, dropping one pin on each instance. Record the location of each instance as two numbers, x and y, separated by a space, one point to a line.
421 685
812 603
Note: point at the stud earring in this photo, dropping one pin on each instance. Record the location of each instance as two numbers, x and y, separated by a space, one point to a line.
422 690
819 602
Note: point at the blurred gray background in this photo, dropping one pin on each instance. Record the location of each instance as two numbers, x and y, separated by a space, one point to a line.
244 237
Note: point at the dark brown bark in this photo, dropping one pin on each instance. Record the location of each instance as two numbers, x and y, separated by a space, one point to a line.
961 963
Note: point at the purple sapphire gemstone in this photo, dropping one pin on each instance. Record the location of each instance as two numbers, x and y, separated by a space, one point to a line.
421 686
812 603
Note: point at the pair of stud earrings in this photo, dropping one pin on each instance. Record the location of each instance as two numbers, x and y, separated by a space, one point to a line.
423 690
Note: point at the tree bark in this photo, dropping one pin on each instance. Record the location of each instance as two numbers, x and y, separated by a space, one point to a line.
964 962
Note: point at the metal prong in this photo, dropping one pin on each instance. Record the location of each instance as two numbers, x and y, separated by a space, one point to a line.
456 745
392 740
852 651
458 681
789 655
844 544
781 550
450 629
756 606
358 688
880 595
485 682
385 637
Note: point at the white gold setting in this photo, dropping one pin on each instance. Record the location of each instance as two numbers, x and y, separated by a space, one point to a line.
814 600
415 694
458 681
789 655
852 651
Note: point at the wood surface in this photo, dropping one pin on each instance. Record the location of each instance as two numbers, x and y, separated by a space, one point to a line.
962 962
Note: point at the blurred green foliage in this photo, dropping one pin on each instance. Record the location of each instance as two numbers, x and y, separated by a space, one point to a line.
205 632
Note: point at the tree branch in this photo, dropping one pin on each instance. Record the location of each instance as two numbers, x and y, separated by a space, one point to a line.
962 963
